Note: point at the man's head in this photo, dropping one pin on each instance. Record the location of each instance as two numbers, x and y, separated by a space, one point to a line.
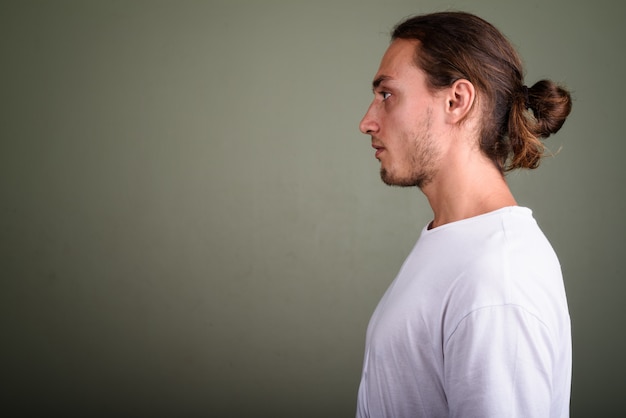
456 47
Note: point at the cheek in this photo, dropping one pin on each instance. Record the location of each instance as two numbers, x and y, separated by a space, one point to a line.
401 117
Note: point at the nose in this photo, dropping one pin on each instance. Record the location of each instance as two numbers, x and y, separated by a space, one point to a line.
368 124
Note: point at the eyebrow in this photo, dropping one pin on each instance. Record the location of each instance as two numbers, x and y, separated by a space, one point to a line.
379 80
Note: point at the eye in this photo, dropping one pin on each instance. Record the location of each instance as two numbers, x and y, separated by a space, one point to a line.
385 95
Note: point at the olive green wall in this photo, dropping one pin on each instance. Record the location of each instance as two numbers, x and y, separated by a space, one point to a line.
192 225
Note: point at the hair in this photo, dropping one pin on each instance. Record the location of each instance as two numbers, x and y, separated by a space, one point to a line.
459 45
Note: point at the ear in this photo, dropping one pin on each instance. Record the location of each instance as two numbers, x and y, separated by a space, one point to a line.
460 97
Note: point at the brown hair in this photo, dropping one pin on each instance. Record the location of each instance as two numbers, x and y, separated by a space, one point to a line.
459 45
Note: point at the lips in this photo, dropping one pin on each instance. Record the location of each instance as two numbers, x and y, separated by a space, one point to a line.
379 150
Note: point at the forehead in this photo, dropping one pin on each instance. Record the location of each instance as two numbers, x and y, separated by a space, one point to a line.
399 59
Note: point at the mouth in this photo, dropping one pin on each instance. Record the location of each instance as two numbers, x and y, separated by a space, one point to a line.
379 150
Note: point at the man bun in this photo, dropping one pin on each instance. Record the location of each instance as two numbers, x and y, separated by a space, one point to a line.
538 112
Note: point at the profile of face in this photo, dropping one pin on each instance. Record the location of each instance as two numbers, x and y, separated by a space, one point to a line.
400 120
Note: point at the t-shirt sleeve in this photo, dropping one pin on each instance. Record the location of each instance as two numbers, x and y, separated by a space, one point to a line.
498 363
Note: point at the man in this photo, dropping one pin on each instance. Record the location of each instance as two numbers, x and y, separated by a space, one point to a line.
476 323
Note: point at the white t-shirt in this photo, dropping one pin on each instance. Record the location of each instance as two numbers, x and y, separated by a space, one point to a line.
475 324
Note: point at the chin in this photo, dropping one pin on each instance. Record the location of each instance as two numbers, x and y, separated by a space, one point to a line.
392 179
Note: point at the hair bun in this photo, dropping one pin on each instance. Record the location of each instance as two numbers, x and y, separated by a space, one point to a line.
551 104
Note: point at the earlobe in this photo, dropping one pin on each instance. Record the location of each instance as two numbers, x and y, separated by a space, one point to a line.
460 99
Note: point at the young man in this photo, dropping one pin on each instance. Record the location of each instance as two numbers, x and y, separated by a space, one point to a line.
476 323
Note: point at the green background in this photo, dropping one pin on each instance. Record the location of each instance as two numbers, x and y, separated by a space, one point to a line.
191 223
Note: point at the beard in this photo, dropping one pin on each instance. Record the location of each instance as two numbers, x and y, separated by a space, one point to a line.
421 159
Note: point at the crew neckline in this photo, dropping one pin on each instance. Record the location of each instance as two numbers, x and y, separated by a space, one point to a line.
507 209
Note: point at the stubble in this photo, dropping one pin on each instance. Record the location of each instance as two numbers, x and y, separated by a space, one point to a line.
420 159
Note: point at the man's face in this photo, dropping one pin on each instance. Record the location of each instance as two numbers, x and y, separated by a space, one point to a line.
400 119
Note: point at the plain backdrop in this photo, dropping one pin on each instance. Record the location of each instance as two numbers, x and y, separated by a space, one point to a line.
191 224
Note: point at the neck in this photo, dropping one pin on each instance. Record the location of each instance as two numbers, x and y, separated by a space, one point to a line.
471 186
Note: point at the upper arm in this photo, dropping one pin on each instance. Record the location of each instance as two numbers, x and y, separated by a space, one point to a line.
498 363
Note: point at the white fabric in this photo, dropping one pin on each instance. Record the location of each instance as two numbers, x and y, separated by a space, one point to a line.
475 324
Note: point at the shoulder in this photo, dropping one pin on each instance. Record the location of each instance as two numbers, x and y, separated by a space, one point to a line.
511 264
